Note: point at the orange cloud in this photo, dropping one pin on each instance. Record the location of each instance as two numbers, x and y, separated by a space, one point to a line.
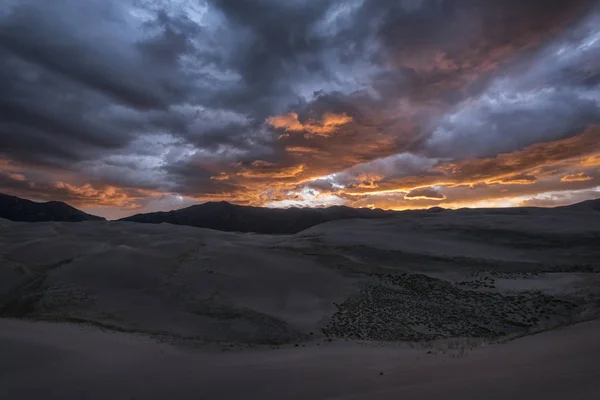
525 166
579 177
221 177
591 162
425 193
521 179
274 173
14 177
326 127
505 179
89 196
289 122
261 163
498 181
301 149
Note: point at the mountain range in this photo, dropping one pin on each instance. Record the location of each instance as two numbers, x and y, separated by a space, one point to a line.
17 209
225 216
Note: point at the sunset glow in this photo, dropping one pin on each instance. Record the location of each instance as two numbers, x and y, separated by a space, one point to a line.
152 105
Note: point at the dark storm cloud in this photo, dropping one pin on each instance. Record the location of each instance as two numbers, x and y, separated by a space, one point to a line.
275 44
433 48
439 48
74 40
63 71
168 95
503 122
544 97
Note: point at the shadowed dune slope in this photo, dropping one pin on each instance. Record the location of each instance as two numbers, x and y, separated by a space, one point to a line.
61 361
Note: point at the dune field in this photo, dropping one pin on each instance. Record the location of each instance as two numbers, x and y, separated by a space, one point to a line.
335 303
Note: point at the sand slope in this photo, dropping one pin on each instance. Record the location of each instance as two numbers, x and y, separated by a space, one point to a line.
182 281
419 276
58 361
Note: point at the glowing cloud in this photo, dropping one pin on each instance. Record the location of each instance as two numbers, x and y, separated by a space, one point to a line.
521 179
591 162
14 177
221 177
579 177
327 126
301 149
272 173
425 193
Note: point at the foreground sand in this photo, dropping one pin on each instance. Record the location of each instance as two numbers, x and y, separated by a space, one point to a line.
62 361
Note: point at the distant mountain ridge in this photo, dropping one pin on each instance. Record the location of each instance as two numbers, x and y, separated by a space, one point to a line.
585 205
17 209
225 216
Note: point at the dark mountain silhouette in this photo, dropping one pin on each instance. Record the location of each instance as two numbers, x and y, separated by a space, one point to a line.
18 209
585 205
229 217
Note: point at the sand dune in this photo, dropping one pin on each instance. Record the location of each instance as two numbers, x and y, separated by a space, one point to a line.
413 277
527 235
58 361
174 280
439 283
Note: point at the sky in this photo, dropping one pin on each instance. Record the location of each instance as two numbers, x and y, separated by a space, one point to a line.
126 106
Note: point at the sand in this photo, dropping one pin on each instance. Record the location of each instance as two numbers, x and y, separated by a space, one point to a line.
414 277
197 313
62 361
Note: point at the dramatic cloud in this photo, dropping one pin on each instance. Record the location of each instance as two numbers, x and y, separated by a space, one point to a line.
556 199
579 177
123 106
328 125
428 193
521 179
